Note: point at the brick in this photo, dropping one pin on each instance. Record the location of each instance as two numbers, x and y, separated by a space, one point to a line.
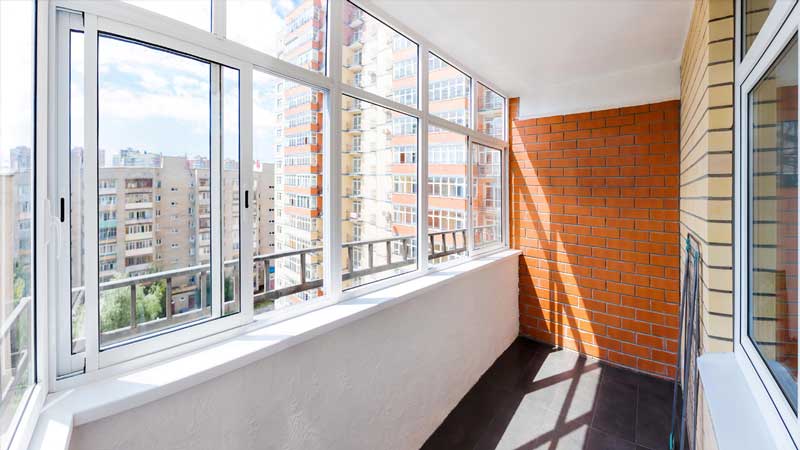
549 120
650 341
595 211
591 123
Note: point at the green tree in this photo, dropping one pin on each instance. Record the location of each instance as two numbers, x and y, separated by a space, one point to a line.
21 282
116 305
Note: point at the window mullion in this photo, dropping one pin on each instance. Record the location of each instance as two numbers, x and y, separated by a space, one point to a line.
332 159
422 160
797 253
215 179
246 193
505 187
219 17
92 291
470 193
60 170
473 105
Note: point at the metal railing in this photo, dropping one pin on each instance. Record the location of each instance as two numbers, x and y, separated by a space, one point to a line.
441 244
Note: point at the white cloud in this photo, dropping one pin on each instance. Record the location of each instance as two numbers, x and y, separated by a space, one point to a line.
255 24
16 76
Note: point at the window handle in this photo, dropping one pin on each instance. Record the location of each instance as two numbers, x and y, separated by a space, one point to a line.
246 199
61 214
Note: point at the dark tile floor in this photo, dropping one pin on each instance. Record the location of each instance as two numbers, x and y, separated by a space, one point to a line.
539 397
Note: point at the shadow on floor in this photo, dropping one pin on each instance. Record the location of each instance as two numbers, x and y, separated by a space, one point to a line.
539 397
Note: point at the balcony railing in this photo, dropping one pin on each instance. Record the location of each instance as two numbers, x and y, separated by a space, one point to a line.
450 242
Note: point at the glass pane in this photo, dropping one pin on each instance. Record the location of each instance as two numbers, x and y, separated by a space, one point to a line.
448 91
16 211
447 195
774 220
287 182
375 245
77 248
755 14
491 115
378 59
231 293
159 218
487 195
194 12
291 30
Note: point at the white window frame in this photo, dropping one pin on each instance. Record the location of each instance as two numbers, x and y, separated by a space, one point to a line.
781 25
131 21
93 359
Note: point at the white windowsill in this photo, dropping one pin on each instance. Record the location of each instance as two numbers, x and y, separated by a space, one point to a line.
98 399
737 421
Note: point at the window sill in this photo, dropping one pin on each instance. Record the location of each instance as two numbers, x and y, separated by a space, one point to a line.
726 388
103 398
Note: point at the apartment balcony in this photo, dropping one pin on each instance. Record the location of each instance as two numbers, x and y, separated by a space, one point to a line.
141 205
138 220
356 43
352 128
139 251
356 20
109 223
354 106
582 241
137 189
137 268
354 66
138 236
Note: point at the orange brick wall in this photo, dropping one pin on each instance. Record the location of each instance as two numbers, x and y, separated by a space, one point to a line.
595 212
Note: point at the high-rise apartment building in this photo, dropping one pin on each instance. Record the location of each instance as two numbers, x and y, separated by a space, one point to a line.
298 152
154 215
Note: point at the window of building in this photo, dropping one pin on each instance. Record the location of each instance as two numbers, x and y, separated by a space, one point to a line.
458 116
487 224
765 247
405 154
390 53
406 96
405 214
446 186
224 194
448 91
383 180
404 126
404 184
405 69
755 14
447 189
491 112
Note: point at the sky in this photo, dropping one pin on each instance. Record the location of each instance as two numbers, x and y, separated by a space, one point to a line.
148 99
16 77
168 95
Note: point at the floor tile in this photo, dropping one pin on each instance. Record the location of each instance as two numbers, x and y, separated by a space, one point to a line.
531 426
653 418
539 397
465 425
599 440
616 408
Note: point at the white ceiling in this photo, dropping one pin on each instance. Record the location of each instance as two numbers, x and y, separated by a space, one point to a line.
558 56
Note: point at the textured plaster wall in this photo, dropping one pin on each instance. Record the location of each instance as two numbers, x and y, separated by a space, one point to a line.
382 382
